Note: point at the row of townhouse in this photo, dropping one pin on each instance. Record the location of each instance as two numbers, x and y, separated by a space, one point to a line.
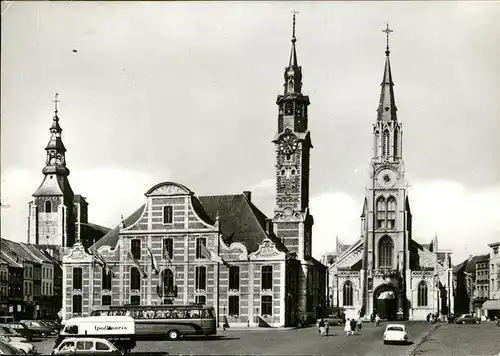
477 284
30 281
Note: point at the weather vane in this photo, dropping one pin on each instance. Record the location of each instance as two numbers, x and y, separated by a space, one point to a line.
387 31
56 101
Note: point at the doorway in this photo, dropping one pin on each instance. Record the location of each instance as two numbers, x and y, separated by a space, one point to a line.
385 302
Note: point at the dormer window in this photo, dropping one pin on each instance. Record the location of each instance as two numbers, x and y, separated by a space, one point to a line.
168 214
48 206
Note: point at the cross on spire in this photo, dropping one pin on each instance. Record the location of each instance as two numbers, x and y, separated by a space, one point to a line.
294 12
55 101
387 31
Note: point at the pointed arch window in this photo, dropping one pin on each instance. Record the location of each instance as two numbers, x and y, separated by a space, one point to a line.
347 294
396 143
385 252
48 206
422 294
381 213
377 142
391 213
386 143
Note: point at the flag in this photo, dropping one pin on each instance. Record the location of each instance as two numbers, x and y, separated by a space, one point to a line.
154 264
102 263
144 274
211 255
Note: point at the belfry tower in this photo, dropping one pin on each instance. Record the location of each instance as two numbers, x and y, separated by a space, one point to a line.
51 219
386 217
292 222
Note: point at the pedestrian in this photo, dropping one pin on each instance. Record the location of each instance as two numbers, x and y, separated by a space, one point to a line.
428 318
327 327
377 320
347 327
372 317
322 329
353 326
359 324
225 325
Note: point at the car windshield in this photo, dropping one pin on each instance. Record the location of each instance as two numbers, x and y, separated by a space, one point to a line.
395 328
36 323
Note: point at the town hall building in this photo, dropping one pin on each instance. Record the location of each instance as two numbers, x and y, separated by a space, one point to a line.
221 250
386 271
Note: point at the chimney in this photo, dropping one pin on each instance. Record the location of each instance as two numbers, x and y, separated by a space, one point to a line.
248 195
269 225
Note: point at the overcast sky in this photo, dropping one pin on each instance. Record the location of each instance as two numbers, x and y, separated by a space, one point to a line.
186 92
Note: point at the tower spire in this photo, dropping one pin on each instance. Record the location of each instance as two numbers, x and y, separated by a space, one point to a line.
56 162
387 105
293 54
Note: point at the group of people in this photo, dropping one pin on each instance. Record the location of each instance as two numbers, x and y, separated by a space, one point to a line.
351 325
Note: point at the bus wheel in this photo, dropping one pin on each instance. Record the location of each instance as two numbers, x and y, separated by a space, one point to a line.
173 334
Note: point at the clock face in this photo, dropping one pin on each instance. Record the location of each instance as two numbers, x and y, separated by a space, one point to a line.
386 178
288 108
288 144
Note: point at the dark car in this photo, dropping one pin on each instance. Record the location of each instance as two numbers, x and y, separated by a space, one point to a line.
40 328
467 319
53 325
452 318
21 329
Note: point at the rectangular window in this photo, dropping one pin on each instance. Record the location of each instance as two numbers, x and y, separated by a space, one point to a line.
135 300
77 304
201 277
168 214
234 278
234 305
168 248
77 278
266 305
136 248
106 300
267 277
200 299
106 279
135 279
199 242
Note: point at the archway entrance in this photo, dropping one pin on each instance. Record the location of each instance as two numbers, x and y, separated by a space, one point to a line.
385 302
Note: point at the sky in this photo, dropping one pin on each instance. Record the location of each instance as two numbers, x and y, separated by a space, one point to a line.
186 92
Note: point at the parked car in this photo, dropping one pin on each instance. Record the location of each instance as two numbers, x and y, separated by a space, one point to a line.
452 318
39 328
467 319
12 334
6 319
395 333
332 320
87 346
21 329
6 349
52 324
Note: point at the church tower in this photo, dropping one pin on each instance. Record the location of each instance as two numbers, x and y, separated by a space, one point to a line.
386 217
51 220
292 222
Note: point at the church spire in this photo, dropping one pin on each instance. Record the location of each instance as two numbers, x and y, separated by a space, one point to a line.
55 162
387 105
293 54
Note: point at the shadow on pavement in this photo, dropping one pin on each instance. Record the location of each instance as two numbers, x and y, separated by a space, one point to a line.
208 338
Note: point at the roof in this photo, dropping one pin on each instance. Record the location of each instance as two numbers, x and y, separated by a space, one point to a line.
458 267
10 260
240 220
16 248
96 229
78 198
111 238
36 252
2 261
471 265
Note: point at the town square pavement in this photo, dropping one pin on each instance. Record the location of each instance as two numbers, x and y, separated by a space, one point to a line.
305 341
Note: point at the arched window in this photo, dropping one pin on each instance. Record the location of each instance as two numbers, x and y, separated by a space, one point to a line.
48 206
290 86
347 293
377 139
385 252
168 279
381 213
391 213
396 143
386 143
422 294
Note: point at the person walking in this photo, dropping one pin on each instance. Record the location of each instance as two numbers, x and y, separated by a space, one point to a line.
353 326
377 320
347 327
359 324
322 327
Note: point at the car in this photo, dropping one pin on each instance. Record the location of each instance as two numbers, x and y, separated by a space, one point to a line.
6 349
21 329
467 319
332 320
395 333
86 345
39 327
56 327
12 334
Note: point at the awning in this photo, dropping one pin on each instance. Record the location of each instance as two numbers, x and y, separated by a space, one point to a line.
492 304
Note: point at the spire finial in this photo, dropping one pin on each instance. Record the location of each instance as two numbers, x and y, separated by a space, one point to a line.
294 12
387 31
55 101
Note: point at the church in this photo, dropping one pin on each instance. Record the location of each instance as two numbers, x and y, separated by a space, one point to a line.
220 250
386 271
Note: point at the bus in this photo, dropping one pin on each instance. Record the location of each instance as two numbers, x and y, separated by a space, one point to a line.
173 321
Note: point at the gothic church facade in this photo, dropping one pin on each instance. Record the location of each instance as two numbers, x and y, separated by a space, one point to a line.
386 271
